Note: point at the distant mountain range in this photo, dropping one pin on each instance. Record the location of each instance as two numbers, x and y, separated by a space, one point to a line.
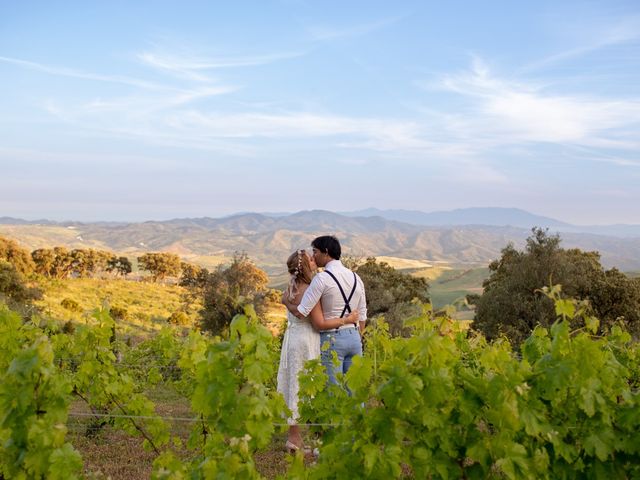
495 216
465 236
491 216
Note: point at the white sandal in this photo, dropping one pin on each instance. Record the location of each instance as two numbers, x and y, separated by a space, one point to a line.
291 447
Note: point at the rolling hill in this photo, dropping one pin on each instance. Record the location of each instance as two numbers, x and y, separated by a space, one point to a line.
269 240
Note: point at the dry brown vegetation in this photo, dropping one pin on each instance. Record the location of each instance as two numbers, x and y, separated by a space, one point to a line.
112 453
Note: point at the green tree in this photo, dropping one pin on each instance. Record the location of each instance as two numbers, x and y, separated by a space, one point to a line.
193 276
617 296
512 304
89 262
120 265
160 265
53 263
391 293
229 289
43 258
13 290
63 262
81 262
16 255
194 279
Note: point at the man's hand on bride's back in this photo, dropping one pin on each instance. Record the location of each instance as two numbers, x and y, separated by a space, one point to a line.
353 317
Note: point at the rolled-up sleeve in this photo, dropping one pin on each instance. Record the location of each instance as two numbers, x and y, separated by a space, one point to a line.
311 295
362 305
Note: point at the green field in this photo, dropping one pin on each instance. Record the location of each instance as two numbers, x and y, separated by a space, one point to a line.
453 285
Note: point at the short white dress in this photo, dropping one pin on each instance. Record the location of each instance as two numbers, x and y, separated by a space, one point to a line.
300 343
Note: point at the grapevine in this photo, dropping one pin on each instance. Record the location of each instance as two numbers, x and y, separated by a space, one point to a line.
441 403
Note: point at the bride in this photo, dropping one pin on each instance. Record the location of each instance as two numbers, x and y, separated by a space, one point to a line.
301 340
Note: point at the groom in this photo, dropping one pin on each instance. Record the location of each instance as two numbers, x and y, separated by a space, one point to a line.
340 292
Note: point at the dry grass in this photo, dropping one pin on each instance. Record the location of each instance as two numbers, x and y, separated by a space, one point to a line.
46 236
208 261
404 263
430 273
275 318
112 453
115 454
147 305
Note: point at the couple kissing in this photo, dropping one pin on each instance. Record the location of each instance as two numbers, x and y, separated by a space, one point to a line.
326 308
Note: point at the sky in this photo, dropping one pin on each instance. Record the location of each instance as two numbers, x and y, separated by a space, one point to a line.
152 110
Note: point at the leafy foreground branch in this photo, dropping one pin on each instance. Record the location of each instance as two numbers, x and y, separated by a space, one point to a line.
440 404
448 406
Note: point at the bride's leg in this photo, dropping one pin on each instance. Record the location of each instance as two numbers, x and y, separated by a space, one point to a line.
295 436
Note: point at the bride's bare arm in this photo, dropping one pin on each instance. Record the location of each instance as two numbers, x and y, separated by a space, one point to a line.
320 323
293 308
292 304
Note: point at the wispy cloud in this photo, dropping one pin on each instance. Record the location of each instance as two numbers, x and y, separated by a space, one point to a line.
507 112
192 67
603 157
69 72
149 96
623 31
388 134
237 132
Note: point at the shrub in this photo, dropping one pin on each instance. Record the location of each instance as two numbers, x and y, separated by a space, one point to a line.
71 305
273 296
229 289
392 293
69 327
179 318
119 313
13 289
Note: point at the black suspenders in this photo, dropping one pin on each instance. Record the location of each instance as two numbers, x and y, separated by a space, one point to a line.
347 307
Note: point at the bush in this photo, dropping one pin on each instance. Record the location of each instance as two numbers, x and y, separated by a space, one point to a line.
391 293
69 328
119 313
179 318
71 305
273 296
13 289
17 256
228 290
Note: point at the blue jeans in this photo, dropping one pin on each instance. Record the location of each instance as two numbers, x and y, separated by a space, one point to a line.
346 343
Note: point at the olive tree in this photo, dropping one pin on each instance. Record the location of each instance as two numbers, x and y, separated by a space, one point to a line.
512 303
160 265
228 289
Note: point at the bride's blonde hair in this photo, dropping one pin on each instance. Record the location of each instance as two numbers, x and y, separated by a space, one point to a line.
300 269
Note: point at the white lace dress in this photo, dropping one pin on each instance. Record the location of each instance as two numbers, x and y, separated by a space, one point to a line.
300 343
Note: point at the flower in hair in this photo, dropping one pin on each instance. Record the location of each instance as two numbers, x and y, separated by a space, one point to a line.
297 270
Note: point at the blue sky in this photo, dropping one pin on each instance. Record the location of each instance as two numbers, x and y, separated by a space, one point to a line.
160 109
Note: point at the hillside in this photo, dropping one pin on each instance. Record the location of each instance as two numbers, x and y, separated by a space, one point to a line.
146 306
269 240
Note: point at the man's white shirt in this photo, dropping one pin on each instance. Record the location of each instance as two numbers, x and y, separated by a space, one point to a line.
323 288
